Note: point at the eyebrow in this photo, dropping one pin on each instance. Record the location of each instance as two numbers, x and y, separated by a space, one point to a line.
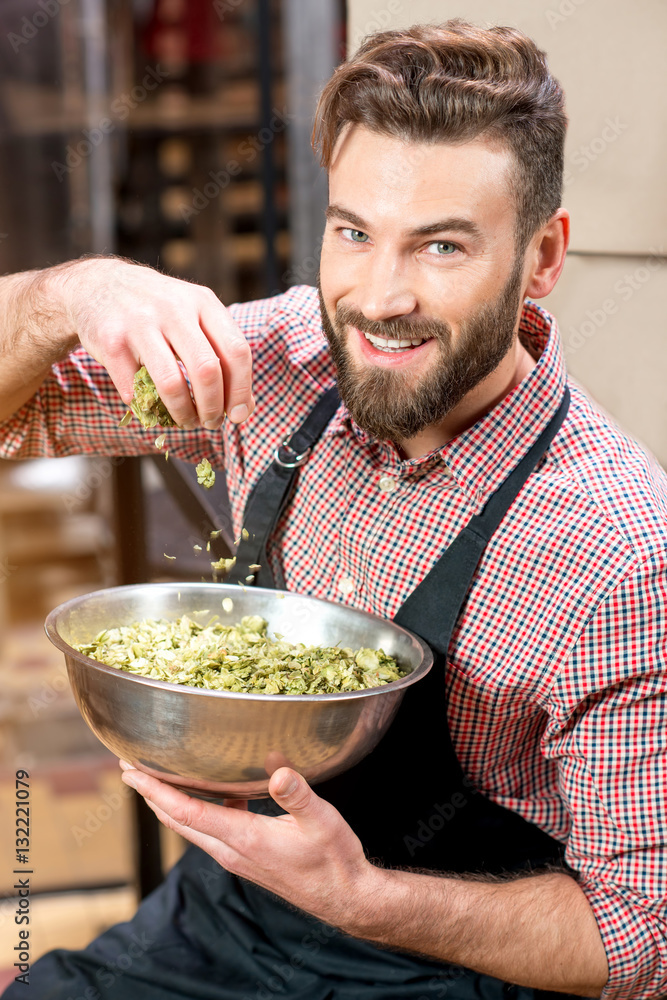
453 223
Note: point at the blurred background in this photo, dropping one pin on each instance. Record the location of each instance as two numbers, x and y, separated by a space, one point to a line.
177 133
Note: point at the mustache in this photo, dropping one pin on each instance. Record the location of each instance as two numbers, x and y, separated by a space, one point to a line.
393 329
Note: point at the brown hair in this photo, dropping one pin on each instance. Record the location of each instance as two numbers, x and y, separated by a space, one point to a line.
452 83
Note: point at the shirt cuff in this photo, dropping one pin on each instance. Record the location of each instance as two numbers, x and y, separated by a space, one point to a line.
633 929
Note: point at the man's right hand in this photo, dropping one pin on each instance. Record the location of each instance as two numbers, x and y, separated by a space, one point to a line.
126 315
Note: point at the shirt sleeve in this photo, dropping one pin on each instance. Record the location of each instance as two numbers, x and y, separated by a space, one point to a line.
77 409
610 741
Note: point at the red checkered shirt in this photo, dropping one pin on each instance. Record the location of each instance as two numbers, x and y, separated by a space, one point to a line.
557 685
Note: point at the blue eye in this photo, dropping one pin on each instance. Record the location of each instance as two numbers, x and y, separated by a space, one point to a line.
356 235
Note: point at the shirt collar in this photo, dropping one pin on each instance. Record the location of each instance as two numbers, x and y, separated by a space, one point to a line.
482 457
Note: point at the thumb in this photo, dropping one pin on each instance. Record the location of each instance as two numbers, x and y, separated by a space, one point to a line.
315 816
293 793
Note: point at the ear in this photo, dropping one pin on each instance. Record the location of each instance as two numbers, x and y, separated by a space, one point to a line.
545 256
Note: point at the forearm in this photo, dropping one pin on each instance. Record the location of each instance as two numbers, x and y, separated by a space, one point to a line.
126 315
35 331
538 931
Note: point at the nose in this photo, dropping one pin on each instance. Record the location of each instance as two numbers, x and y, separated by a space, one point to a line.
384 290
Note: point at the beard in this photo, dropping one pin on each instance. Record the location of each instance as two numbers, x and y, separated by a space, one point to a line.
388 404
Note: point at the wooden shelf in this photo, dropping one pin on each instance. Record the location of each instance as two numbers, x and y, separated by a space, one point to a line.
38 111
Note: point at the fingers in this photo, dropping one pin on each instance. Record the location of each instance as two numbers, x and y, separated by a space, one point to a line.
207 843
125 366
218 362
169 379
186 811
205 373
241 804
233 351
127 315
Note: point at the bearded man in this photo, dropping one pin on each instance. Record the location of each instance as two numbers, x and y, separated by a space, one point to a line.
507 836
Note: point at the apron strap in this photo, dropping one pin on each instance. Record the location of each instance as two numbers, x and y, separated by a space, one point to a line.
388 801
393 798
270 494
432 608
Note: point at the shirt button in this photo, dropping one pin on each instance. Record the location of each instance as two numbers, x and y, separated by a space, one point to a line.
346 586
387 484
447 471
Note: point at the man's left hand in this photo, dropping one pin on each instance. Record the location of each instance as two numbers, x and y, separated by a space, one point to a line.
310 856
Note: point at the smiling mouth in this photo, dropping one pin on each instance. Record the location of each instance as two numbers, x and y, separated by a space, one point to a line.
393 346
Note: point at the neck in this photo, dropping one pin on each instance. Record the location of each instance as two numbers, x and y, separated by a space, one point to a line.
512 370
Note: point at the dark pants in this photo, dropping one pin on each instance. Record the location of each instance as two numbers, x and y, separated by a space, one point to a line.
207 935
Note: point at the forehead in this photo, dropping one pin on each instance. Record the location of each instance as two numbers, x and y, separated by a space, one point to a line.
386 179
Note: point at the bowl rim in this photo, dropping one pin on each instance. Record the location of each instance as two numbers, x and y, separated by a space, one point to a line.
50 627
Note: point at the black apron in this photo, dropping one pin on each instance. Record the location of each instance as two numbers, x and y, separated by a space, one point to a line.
409 801
207 935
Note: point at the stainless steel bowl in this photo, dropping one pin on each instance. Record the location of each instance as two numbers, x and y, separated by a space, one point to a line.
224 744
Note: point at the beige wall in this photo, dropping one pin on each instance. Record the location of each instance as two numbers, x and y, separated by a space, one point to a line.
610 300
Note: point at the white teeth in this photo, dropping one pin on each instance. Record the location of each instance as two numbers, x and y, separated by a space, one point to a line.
394 345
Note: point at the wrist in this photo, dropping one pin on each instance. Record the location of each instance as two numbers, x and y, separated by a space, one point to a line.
382 902
51 298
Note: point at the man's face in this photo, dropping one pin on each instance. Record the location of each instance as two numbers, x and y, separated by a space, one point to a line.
418 251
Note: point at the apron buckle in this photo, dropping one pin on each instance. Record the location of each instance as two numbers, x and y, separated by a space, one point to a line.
288 458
